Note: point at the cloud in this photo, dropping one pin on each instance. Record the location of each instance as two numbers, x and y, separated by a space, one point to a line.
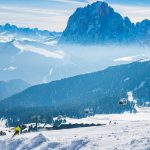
4 38
50 19
125 59
135 13
46 78
69 1
142 57
11 68
41 51
53 14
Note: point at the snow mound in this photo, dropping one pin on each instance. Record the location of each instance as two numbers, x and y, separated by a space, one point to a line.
10 144
40 142
51 145
76 145
35 142
137 144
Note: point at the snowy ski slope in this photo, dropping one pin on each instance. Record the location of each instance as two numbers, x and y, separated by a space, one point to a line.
130 132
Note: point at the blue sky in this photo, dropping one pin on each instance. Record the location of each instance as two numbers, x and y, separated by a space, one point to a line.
53 14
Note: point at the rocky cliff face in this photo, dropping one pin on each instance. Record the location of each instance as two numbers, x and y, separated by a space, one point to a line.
143 32
98 23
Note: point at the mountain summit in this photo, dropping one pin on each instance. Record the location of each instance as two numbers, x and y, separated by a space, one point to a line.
98 23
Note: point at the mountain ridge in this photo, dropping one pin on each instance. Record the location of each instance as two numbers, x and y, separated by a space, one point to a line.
13 28
11 87
99 91
98 23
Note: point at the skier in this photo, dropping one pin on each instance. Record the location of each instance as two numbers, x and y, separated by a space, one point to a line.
17 130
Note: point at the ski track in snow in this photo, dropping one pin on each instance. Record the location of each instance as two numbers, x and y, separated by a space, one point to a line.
132 132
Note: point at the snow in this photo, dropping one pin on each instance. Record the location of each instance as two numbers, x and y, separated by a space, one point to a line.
47 76
144 60
126 79
140 86
59 54
3 124
130 132
4 38
126 59
140 58
10 68
130 96
51 43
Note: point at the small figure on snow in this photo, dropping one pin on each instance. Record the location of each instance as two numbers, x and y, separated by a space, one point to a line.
110 122
17 130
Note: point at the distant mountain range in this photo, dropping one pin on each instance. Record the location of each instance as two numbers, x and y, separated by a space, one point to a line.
99 92
26 33
32 55
9 88
98 23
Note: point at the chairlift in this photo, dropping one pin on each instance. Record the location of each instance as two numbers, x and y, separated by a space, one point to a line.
122 101
87 111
